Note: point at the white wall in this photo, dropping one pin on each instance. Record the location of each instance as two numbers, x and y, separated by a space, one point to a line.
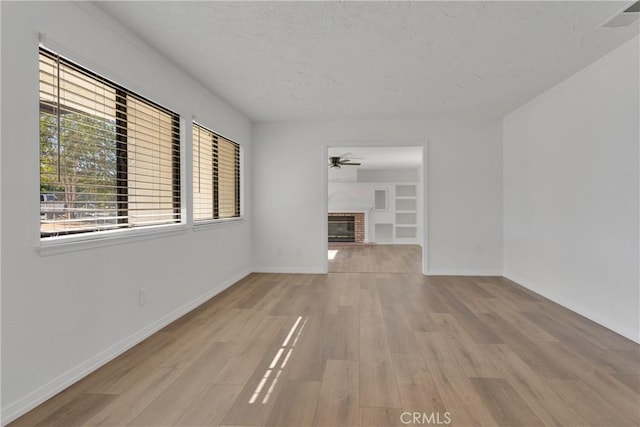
463 182
389 175
343 196
66 313
344 174
571 192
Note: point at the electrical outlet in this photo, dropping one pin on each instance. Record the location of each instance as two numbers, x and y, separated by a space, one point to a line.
299 251
279 251
142 296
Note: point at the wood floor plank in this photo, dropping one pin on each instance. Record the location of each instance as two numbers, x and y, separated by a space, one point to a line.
469 321
508 290
453 384
391 288
376 259
131 402
471 356
630 380
190 346
378 387
429 292
591 407
364 349
239 322
370 307
65 397
467 289
399 334
530 352
308 361
343 343
482 305
600 382
210 408
373 336
167 408
523 324
605 359
248 351
257 398
119 374
78 410
506 406
296 405
418 391
381 417
347 286
538 394
339 401
597 334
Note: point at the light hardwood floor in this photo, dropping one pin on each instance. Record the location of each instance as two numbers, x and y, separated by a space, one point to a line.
376 259
364 349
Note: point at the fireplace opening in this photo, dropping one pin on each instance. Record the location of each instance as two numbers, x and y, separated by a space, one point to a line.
342 228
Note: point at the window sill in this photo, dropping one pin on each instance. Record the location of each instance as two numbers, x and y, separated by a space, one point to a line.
81 242
217 223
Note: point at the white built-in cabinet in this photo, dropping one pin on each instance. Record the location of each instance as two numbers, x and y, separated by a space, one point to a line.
406 211
393 210
395 216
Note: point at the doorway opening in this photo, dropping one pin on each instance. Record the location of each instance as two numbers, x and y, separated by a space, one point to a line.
375 218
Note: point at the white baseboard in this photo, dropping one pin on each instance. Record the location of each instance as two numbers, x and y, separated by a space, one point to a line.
55 386
463 273
289 270
577 308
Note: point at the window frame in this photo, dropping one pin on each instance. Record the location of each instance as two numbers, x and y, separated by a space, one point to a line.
99 237
202 224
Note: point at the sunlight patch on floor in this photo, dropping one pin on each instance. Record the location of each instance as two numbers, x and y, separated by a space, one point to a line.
332 253
285 346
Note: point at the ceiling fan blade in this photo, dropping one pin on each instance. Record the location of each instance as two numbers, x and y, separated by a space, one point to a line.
346 156
336 162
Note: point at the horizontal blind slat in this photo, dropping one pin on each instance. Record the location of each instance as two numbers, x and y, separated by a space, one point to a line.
216 162
109 156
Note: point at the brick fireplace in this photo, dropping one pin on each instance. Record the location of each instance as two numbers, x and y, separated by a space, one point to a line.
358 219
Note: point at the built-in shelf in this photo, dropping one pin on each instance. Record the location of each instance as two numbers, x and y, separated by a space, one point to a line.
406 231
406 218
406 204
406 190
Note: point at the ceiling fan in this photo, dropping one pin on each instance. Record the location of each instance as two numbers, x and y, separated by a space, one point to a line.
339 161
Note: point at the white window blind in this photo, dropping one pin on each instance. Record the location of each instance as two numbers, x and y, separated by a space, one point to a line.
216 176
108 158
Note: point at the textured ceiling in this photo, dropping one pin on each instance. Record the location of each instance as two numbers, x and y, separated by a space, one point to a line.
287 61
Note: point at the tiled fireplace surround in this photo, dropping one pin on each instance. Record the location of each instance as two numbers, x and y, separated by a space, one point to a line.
358 223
